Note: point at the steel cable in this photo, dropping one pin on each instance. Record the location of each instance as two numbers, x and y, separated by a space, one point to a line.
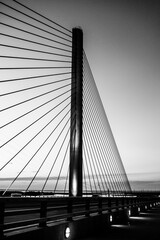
50 148
33 42
30 160
34 50
31 25
43 104
55 160
42 16
92 100
17 134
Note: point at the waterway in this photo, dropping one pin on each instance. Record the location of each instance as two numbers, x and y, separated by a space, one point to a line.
22 184
144 227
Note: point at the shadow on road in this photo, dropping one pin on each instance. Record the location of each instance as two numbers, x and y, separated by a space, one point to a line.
145 226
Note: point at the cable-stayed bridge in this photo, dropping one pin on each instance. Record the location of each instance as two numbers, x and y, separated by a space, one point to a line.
59 160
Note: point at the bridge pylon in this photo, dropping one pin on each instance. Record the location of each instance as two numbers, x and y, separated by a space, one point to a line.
75 173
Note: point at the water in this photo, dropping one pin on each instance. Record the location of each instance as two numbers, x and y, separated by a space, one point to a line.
22 184
145 185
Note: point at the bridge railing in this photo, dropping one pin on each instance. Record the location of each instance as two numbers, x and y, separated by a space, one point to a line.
21 213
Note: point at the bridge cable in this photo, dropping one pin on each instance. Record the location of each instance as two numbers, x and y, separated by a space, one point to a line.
33 137
95 156
89 162
94 116
67 179
30 159
85 181
91 125
31 124
51 169
51 147
102 111
35 35
33 42
42 16
30 68
43 104
33 87
96 170
33 26
33 18
85 158
92 89
30 99
28 103
63 160
125 180
33 50
34 77
35 59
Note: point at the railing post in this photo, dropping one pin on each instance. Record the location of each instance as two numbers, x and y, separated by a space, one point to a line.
123 203
43 214
117 203
75 175
100 205
87 207
69 209
109 204
2 210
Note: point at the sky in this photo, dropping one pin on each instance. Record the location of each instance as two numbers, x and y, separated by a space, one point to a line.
121 41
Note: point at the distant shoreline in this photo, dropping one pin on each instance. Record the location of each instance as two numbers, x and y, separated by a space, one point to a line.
136 185
30 178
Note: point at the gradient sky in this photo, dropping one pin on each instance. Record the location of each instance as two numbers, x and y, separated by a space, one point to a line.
121 40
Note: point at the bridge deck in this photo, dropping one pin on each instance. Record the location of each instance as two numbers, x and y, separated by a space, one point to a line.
145 226
26 212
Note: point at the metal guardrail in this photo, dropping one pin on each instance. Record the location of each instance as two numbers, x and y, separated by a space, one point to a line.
24 212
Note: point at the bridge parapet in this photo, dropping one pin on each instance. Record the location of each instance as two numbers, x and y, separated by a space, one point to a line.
26 212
